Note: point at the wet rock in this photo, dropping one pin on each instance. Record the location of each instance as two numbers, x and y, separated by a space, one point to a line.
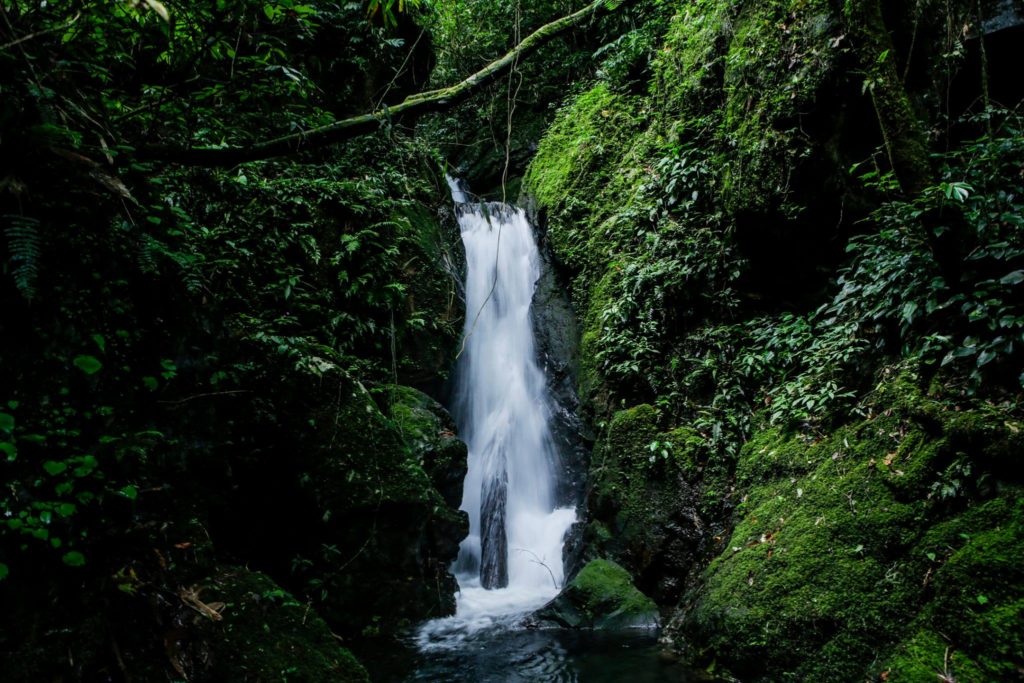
238 625
557 337
602 596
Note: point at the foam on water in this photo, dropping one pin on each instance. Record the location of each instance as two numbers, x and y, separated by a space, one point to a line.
511 562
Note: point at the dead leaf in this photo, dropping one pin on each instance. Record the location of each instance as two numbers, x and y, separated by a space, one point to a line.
190 596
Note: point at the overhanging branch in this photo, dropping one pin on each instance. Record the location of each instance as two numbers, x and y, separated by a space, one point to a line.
415 105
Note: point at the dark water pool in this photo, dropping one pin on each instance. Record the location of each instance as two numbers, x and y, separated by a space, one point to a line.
535 656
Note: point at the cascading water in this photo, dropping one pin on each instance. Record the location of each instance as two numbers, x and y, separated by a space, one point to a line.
511 562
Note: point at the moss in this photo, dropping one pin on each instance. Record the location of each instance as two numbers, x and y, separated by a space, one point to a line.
689 68
577 143
430 431
643 495
265 634
977 599
600 296
927 657
842 545
602 596
367 461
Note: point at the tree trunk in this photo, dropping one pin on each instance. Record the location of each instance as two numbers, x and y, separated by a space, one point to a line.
902 132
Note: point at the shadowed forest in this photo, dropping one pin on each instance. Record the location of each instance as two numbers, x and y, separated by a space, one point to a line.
772 254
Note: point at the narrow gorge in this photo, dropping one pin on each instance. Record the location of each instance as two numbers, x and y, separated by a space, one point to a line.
532 340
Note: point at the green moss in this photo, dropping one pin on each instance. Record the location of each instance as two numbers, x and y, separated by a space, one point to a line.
927 657
576 144
978 600
689 67
842 543
602 596
642 492
265 634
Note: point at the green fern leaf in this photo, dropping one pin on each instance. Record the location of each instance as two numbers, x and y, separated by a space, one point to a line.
24 246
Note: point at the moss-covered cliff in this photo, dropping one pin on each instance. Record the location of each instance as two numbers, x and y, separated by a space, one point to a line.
783 254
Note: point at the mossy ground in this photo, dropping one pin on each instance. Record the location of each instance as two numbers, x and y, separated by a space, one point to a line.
699 220
264 634
864 553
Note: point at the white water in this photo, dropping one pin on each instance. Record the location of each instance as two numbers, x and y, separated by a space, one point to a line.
502 409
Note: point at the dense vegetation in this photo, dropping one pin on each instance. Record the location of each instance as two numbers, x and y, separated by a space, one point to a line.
793 236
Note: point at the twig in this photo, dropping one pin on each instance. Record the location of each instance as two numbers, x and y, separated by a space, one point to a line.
212 393
30 36
537 560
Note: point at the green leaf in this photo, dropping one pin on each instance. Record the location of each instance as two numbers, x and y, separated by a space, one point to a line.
930 556
54 468
150 383
909 309
88 464
1014 278
6 422
90 365
8 448
4 571
982 600
100 342
129 492
74 559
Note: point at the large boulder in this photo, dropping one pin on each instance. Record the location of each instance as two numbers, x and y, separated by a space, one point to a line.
890 549
644 503
602 596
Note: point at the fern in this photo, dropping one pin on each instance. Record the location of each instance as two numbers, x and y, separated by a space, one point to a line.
149 250
24 246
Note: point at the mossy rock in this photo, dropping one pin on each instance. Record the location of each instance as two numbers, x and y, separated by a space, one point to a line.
367 533
644 497
602 596
427 426
255 631
852 553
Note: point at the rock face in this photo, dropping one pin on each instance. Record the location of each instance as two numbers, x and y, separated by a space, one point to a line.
700 221
401 533
373 484
557 337
645 501
602 596
246 628
862 545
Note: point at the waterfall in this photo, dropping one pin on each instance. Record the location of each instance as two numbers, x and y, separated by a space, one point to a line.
511 562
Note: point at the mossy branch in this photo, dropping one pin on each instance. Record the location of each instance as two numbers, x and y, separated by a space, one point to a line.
431 101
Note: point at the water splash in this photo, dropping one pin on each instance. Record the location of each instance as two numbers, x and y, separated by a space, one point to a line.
511 562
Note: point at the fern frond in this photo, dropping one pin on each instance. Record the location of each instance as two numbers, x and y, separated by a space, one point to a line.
24 245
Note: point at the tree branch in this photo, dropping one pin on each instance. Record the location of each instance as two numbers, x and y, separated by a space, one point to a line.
414 105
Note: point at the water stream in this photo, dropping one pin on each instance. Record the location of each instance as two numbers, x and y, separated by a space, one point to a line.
511 562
